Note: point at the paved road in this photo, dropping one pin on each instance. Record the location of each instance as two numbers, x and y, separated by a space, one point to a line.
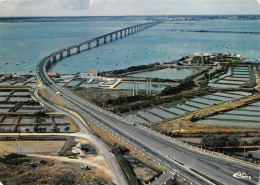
165 177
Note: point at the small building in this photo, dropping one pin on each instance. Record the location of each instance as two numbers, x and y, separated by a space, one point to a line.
91 73
8 76
53 74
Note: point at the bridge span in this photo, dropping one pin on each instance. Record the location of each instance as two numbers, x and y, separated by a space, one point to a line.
95 42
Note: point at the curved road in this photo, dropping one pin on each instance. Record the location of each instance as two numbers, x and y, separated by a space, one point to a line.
157 147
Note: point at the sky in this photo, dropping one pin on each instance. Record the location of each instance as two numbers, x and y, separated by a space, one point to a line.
9 8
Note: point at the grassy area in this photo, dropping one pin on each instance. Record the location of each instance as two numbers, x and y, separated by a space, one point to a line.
126 167
207 177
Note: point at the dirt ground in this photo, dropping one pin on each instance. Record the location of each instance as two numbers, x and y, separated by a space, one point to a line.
58 169
51 171
30 147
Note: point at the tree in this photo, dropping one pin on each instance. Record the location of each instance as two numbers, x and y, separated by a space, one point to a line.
255 141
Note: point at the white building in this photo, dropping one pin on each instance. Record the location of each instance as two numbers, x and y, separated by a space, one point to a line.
91 73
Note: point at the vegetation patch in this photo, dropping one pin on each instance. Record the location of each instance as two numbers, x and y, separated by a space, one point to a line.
67 148
207 177
120 152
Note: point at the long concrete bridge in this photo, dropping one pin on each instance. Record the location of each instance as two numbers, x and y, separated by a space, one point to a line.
95 42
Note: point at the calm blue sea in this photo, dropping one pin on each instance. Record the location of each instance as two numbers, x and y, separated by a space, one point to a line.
27 43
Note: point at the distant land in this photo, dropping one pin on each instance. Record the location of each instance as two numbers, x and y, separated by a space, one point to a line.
130 18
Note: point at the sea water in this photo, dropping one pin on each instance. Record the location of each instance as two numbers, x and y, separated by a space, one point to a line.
25 44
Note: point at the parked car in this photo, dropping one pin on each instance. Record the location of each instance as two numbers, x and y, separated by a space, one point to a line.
85 167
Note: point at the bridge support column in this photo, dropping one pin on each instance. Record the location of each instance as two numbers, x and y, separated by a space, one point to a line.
54 58
105 40
68 52
121 34
97 42
128 31
61 56
111 38
78 49
116 35
89 46
125 33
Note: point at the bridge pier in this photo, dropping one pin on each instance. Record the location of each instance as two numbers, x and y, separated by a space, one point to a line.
105 39
97 42
68 52
61 56
54 59
121 34
125 32
78 49
89 47
116 35
111 37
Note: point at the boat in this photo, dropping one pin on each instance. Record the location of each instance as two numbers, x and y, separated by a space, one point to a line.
242 175
29 58
17 63
6 63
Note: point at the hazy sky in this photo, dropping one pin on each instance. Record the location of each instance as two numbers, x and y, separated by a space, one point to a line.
126 7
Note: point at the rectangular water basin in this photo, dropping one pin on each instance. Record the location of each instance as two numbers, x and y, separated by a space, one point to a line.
149 116
142 86
60 120
162 113
27 120
9 120
187 107
20 93
73 83
5 128
223 99
223 86
136 118
166 73
196 104
241 93
219 122
228 95
27 128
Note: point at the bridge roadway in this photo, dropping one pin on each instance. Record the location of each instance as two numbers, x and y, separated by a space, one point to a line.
153 145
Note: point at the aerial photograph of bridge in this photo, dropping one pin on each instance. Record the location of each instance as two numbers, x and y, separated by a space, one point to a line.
130 92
